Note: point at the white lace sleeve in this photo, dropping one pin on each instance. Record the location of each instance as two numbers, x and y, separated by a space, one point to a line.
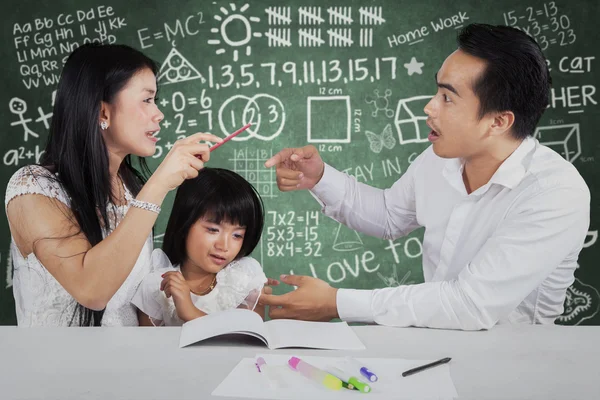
159 261
240 284
34 179
148 298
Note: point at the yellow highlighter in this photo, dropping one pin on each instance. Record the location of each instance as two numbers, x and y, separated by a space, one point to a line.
315 374
352 381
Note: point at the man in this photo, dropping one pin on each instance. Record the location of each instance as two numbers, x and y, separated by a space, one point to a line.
505 217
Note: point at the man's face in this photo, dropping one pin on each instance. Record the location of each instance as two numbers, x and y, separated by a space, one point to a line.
457 131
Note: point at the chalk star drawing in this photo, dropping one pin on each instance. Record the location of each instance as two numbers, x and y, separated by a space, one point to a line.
233 19
414 67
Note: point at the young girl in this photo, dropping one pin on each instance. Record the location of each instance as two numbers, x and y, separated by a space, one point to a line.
216 221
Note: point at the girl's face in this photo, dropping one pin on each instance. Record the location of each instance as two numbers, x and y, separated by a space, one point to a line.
211 246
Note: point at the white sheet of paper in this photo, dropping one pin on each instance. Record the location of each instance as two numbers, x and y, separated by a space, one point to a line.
279 381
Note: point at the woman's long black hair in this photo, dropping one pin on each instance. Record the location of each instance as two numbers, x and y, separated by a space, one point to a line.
76 151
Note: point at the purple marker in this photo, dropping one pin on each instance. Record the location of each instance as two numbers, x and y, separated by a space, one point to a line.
364 371
259 363
269 373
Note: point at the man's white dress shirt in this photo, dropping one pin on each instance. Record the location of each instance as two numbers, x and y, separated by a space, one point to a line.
507 252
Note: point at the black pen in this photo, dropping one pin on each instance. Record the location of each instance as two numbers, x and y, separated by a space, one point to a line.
426 366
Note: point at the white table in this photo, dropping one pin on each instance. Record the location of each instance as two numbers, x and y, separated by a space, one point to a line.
507 362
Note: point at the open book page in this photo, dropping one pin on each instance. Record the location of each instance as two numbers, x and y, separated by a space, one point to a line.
316 335
231 321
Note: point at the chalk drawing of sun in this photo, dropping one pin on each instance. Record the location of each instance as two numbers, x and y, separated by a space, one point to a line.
235 30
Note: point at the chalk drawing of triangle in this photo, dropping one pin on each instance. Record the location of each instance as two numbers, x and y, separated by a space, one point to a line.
177 69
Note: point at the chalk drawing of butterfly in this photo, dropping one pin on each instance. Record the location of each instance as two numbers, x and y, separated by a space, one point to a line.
377 142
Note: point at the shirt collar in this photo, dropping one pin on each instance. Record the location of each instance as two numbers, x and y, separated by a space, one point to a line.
509 174
513 169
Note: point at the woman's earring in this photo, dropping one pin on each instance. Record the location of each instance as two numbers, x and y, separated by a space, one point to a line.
103 125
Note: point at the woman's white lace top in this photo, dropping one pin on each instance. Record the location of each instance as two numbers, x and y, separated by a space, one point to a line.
39 299
238 285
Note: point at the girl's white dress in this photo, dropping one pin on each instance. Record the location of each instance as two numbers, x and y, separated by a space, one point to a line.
238 285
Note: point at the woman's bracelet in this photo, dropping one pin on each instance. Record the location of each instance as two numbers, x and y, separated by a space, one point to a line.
145 205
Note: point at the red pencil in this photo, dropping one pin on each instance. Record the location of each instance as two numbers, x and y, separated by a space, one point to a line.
228 138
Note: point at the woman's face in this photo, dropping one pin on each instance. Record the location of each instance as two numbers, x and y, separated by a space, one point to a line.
133 117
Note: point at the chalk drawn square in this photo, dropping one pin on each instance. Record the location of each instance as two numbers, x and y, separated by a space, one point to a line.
328 119
410 120
564 139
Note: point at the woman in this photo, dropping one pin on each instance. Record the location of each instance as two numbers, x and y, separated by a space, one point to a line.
81 221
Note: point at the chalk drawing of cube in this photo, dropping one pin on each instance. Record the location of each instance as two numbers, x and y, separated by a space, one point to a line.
564 139
410 120
328 119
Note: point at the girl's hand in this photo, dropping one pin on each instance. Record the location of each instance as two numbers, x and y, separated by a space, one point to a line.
174 285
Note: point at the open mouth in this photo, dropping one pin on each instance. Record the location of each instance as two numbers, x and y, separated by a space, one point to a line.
219 260
152 135
433 135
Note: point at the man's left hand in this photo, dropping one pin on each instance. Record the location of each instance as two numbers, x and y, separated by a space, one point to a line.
313 300
260 309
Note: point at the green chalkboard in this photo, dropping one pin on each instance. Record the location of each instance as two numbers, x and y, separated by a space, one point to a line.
350 77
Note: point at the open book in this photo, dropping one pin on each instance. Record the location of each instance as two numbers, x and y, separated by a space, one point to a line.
275 334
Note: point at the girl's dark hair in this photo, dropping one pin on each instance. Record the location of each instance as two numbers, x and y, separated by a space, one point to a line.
224 196
76 150
516 77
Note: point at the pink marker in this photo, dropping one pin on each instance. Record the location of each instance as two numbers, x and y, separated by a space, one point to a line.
315 374
228 138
